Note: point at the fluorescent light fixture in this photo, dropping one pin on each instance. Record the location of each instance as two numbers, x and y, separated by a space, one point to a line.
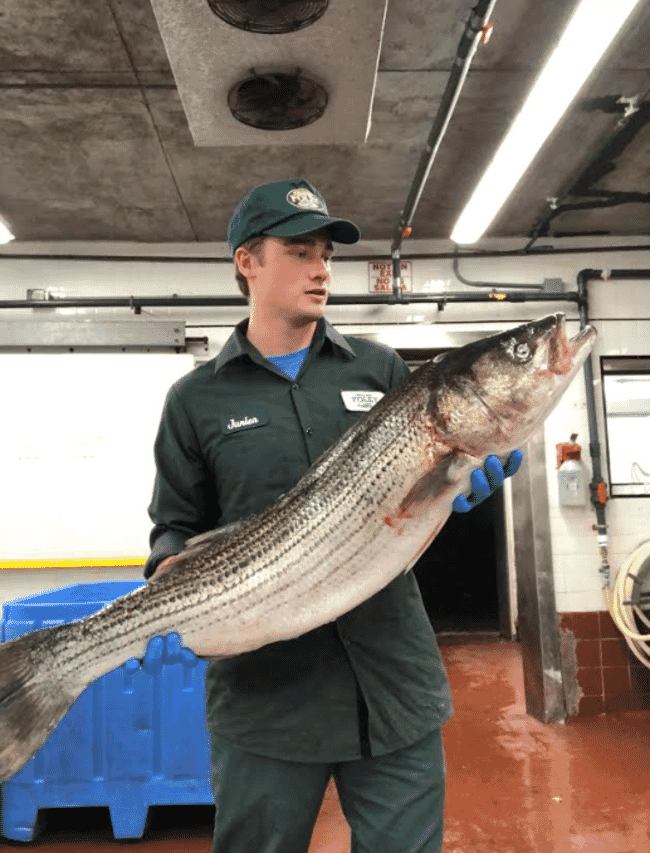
593 27
5 234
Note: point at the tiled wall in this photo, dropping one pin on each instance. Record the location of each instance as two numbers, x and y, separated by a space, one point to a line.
601 673
576 559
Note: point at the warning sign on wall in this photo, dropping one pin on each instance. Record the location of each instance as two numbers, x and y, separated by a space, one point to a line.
380 277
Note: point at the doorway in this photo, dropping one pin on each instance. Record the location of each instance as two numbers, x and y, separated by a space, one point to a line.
463 573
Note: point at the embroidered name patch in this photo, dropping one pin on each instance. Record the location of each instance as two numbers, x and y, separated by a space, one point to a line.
361 401
239 422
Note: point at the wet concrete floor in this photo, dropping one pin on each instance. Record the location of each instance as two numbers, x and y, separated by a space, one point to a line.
514 784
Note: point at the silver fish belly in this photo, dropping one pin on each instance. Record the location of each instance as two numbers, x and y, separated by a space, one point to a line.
362 514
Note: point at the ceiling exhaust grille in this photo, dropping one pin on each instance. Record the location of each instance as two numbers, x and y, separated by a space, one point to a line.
269 16
327 101
277 101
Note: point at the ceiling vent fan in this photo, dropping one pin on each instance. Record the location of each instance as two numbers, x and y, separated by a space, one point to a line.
277 101
269 16
238 85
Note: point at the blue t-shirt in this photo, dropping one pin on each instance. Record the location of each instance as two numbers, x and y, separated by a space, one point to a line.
291 362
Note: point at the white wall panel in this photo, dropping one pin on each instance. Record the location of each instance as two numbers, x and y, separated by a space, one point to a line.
77 450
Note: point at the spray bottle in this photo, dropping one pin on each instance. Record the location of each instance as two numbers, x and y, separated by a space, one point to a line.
572 479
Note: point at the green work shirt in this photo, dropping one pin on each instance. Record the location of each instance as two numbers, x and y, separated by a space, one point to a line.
235 434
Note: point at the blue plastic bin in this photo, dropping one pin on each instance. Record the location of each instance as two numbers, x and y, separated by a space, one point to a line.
130 741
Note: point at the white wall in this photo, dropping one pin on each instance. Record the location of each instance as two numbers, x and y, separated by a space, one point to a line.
576 556
620 311
79 421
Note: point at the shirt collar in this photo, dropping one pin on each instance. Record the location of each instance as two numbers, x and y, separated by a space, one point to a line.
238 344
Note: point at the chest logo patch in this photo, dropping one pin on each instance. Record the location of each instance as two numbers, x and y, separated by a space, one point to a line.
238 422
360 401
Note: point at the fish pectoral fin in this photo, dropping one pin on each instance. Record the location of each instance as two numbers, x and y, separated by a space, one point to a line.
459 466
433 484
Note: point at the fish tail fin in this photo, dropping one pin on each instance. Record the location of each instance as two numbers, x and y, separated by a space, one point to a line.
33 697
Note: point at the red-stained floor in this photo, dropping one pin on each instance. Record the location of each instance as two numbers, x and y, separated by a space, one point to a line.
514 784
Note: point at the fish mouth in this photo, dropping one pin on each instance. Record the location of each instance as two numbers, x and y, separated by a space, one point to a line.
559 352
563 352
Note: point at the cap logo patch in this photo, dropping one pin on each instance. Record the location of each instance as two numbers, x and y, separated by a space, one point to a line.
305 200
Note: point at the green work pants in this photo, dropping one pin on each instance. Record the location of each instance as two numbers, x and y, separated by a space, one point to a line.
394 803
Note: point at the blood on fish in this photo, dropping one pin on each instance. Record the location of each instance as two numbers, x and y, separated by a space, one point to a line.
390 521
560 361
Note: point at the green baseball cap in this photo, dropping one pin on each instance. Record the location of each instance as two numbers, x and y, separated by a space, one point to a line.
285 209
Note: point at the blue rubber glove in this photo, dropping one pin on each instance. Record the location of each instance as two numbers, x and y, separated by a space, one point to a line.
161 650
483 484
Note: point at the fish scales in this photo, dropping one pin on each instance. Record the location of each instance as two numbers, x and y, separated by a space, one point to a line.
306 561
360 516
316 520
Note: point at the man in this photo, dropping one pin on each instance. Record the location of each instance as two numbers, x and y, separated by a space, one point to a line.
363 698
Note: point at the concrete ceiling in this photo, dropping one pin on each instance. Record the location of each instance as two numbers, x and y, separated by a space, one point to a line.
95 143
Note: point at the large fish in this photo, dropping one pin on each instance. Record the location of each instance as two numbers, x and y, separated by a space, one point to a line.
362 514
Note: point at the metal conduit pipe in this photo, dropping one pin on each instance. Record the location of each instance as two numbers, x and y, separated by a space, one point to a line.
633 119
138 302
597 485
476 28
617 604
606 275
540 251
464 280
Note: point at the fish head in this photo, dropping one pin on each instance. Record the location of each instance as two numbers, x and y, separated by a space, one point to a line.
491 396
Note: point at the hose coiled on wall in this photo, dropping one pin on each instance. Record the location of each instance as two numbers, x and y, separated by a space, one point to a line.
624 598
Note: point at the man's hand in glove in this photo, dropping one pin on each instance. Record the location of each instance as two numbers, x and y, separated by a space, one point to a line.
160 650
485 481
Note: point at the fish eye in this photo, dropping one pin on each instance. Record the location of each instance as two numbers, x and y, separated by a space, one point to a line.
517 350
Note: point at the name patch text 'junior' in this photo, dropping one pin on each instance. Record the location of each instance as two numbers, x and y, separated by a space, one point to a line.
236 422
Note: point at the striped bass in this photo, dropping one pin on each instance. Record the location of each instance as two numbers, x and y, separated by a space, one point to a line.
361 515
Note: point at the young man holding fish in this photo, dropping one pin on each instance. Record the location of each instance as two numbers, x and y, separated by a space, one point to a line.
363 698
